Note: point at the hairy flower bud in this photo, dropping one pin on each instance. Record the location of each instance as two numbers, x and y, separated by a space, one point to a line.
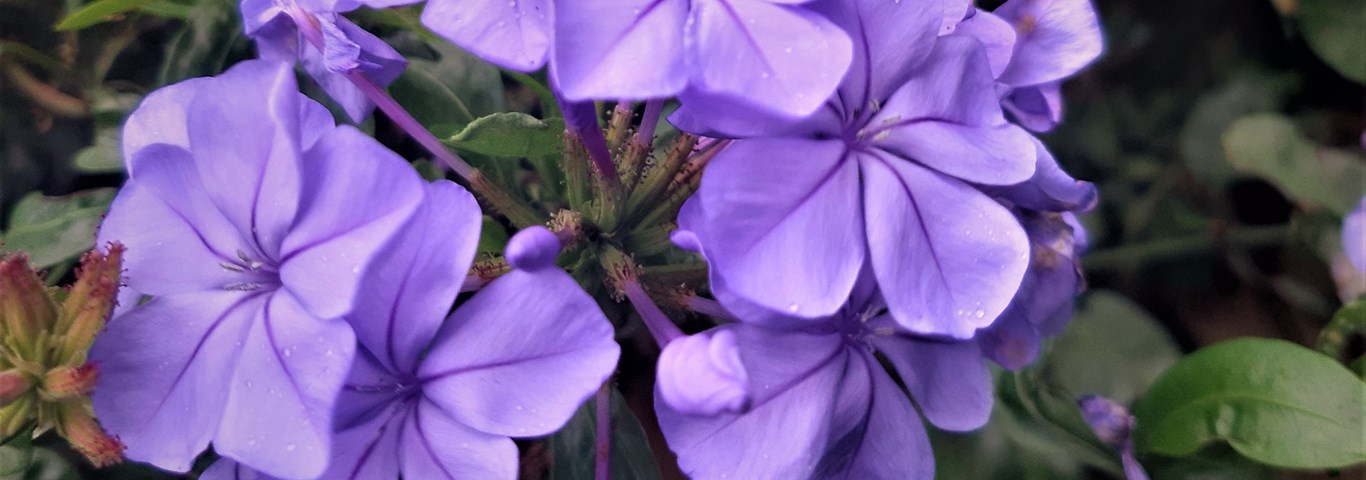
86 436
68 382
88 304
702 375
13 383
25 306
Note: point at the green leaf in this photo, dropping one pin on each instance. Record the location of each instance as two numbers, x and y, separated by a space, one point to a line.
512 134
98 12
105 156
1251 90
1334 30
573 448
53 229
16 454
449 93
1272 401
1112 348
212 33
1271 147
493 238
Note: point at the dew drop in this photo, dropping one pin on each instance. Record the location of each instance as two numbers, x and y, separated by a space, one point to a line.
979 313
291 447
793 307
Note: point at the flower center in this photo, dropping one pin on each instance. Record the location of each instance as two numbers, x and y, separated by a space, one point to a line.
254 273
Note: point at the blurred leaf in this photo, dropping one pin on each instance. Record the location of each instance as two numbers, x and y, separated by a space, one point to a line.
1251 91
202 46
98 12
1334 29
1350 320
493 238
53 229
104 156
1273 401
511 135
1271 147
449 93
1216 462
1112 348
16 455
573 448
1006 447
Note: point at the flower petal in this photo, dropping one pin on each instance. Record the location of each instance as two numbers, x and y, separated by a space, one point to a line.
164 376
948 258
1056 38
364 52
1354 235
436 446
370 449
783 58
959 129
357 196
793 376
166 253
228 469
407 292
619 48
279 413
161 118
887 441
949 380
1038 107
1050 189
245 137
997 35
514 34
702 374
520 356
794 246
890 40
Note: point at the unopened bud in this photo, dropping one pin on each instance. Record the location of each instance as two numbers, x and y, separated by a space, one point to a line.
79 428
702 374
13 384
17 415
26 308
534 248
67 382
89 303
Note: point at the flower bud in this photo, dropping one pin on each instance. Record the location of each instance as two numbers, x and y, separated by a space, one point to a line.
702 374
25 306
534 248
65 382
89 303
13 383
1110 421
17 414
79 428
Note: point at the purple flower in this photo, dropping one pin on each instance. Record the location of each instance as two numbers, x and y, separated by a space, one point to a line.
433 399
1033 46
1354 235
1043 306
1114 426
884 173
774 55
822 405
251 219
282 30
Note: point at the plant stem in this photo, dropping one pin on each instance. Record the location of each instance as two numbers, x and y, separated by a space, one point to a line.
1167 248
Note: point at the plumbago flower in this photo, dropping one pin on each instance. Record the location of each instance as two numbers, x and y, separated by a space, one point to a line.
431 399
250 219
786 397
884 174
327 45
1034 45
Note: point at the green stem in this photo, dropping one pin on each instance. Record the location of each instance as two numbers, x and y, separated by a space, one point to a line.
1168 248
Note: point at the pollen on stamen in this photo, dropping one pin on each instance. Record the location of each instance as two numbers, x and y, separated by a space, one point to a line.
242 287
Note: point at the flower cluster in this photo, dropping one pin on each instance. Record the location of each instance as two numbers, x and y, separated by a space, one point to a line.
875 217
